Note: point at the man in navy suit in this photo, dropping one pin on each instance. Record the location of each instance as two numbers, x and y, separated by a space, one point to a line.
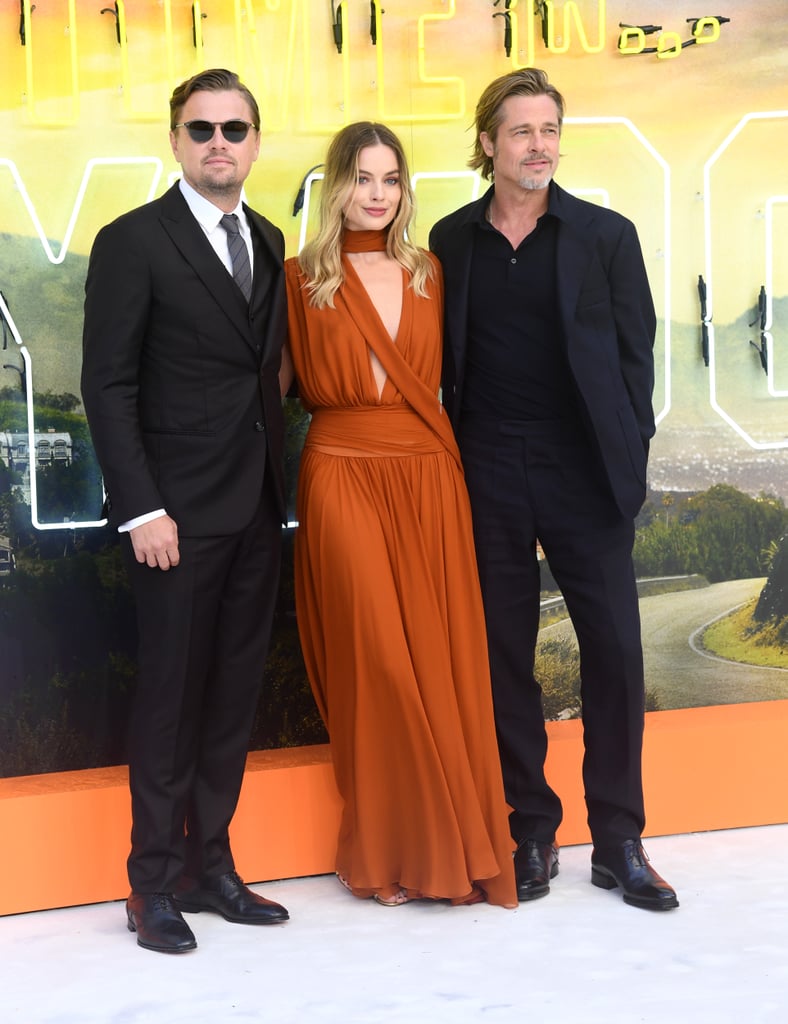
548 376
185 316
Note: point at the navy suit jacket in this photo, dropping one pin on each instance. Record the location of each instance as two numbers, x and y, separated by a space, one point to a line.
607 320
180 376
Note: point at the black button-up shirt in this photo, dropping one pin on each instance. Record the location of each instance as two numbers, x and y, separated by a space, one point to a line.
516 366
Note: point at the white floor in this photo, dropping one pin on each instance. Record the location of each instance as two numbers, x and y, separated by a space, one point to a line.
579 955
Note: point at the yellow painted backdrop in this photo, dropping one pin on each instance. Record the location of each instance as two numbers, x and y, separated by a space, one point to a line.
690 143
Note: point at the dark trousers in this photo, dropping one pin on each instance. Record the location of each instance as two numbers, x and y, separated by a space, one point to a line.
542 480
204 628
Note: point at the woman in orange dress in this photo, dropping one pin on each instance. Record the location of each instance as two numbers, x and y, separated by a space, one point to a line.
387 593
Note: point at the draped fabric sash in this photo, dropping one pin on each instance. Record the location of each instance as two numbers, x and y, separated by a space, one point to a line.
415 392
372 431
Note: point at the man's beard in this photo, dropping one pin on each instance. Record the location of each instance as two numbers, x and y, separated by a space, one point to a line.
220 188
535 184
220 184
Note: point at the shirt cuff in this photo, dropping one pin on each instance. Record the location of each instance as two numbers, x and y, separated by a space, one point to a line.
139 520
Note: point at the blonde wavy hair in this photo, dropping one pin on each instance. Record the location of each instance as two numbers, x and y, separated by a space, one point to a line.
321 259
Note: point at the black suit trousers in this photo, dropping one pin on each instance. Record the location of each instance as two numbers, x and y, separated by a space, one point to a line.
204 628
530 481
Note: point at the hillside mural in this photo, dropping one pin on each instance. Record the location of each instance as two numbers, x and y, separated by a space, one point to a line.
679 122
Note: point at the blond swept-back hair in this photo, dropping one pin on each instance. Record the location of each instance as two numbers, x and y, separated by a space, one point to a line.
321 259
489 109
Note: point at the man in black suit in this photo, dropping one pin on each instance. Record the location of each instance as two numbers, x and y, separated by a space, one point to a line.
548 375
185 316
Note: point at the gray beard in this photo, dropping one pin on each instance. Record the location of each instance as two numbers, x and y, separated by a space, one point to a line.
535 184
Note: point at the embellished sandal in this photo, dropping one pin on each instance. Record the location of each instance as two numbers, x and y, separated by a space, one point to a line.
360 894
400 896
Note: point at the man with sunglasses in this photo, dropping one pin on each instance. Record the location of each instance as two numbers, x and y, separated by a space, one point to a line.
184 323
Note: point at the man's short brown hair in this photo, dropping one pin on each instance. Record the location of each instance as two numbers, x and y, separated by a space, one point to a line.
213 80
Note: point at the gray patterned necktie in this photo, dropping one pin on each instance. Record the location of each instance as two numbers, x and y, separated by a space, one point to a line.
239 254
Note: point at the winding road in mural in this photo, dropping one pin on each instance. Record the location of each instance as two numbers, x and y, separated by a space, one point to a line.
681 673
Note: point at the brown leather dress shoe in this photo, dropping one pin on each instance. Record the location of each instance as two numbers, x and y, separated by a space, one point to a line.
627 866
158 924
227 895
535 863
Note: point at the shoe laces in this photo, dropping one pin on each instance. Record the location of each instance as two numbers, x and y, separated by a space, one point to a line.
636 853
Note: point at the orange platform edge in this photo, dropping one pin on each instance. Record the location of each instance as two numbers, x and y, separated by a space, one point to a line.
64 836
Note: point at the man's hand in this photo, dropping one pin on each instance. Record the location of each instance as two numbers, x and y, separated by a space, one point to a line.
156 543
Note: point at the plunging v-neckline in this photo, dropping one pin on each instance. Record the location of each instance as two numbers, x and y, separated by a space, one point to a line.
374 241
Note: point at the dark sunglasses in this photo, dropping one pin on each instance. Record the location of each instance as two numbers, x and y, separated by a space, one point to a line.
203 131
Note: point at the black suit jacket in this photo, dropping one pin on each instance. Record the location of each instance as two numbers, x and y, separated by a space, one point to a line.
608 325
180 376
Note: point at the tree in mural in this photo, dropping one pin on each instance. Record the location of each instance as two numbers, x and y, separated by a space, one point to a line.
772 606
720 533
732 530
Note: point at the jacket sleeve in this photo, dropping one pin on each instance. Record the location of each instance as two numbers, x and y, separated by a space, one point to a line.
117 306
636 324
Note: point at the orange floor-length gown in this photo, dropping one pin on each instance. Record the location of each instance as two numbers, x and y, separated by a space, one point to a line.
388 602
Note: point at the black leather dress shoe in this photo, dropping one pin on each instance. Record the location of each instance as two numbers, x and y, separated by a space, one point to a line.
158 924
535 863
227 895
627 866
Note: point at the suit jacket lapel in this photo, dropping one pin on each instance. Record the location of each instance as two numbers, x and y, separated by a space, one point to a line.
189 238
572 255
269 248
457 274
